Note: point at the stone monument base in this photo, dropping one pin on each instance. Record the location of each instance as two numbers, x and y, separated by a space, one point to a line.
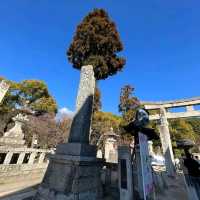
12 142
73 174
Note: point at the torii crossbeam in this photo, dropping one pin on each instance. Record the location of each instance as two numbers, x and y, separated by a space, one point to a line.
187 103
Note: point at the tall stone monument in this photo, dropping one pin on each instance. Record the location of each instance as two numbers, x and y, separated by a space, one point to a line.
74 171
15 136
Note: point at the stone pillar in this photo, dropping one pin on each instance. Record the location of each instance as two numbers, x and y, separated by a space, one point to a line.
8 158
150 148
166 143
41 158
32 158
3 89
21 158
73 172
125 173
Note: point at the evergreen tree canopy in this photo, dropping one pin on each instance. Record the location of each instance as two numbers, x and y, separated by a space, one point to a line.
128 103
97 42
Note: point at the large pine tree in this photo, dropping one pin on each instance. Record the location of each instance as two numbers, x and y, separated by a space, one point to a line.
97 42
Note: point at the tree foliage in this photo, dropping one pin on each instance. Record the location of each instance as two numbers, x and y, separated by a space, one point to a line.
97 42
195 123
102 122
97 100
128 103
32 95
127 106
184 129
180 129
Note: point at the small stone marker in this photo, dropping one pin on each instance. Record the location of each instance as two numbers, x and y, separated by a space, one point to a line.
3 89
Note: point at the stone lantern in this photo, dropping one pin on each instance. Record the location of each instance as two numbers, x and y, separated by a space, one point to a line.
15 136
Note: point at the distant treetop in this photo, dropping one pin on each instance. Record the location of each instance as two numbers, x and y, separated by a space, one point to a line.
97 42
30 95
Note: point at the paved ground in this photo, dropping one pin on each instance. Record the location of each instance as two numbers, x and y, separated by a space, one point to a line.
176 189
22 191
18 191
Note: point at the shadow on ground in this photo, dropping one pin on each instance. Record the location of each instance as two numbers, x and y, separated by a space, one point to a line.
21 194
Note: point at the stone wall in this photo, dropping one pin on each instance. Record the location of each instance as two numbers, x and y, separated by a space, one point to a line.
21 164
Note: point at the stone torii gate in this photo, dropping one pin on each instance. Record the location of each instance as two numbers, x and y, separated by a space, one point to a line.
163 116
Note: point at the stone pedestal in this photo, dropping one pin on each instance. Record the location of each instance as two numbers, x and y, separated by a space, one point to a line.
73 174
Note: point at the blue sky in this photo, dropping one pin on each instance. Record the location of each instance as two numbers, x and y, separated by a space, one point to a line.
161 44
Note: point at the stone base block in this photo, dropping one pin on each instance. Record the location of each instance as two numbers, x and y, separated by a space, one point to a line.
76 149
70 177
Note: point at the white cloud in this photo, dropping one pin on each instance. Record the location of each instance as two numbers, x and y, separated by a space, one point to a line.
64 112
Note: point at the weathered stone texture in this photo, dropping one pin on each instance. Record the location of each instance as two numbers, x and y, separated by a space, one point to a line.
69 180
80 127
15 136
166 143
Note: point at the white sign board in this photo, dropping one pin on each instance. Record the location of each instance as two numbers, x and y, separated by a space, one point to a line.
147 178
3 89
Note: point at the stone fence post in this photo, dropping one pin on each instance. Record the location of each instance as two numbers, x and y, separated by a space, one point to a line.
8 158
41 158
21 158
32 158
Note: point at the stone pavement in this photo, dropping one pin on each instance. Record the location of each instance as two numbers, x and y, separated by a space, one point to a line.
175 190
18 190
